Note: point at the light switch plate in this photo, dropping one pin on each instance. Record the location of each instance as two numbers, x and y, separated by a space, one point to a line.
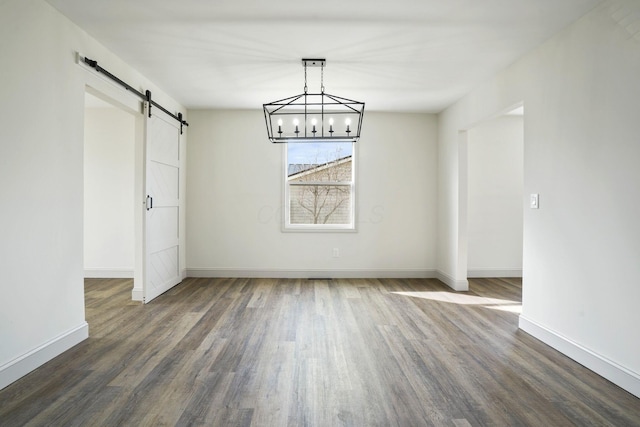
535 201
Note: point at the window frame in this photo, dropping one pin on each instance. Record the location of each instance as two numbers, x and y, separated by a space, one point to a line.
287 226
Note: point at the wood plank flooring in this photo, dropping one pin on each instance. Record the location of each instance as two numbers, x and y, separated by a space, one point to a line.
286 352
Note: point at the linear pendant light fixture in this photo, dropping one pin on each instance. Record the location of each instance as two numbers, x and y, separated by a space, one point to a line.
314 117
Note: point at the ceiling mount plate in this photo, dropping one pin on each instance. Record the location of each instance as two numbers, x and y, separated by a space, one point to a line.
314 62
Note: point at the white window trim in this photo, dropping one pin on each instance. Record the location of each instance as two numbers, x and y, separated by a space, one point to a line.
287 227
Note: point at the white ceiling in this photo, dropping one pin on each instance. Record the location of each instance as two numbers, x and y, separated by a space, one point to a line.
405 55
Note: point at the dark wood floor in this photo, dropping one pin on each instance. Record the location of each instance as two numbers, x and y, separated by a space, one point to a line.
270 352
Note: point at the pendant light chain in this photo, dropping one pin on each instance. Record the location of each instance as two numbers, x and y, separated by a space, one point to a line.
305 77
306 88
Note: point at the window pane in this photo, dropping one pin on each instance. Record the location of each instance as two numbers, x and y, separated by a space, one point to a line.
320 204
319 161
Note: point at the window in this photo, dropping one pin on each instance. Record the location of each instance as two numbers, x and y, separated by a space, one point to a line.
319 186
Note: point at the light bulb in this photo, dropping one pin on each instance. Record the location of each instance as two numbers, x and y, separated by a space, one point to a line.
314 121
331 121
295 122
279 122
347 121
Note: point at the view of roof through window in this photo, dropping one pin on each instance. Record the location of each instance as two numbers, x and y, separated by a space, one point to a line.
305 156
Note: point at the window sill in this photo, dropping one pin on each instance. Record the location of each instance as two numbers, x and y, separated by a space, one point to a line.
318 229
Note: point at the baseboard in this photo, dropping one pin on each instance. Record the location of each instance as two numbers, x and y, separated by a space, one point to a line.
494 272
610 370
107 273
26 363
456 285
137 294
305 274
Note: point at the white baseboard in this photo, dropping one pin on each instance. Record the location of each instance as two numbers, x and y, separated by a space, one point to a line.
456 285
26 363
306 274
610 370
494 272
137 294
107 273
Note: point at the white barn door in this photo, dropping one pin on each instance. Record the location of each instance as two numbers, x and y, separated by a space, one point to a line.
162 219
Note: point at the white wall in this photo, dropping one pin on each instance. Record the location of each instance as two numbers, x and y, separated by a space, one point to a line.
581 248
235 195
108 192
41 167
495 197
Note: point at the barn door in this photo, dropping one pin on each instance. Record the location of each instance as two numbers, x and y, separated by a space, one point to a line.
162 219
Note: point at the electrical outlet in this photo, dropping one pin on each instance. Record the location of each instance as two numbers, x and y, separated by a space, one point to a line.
336 252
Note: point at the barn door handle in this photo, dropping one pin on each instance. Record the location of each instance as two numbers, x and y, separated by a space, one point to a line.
149 202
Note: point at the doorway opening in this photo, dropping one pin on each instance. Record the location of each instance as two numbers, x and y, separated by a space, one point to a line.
492 195
112 184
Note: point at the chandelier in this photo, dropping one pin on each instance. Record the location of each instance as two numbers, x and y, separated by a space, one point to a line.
314 117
